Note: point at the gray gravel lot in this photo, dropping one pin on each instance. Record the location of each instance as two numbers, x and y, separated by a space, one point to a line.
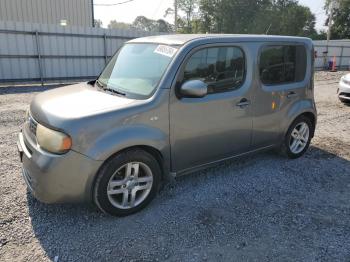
258 208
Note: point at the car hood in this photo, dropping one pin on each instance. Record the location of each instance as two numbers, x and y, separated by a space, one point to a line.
61 105
347 77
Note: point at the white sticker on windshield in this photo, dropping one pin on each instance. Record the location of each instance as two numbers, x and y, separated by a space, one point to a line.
165 50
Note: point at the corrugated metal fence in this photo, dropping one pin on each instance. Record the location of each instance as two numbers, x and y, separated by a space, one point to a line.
48 53
340 49
74 12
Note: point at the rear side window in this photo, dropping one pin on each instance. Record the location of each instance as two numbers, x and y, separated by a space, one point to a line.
282 64
222 68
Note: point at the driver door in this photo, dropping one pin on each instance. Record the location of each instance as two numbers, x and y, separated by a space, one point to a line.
219 125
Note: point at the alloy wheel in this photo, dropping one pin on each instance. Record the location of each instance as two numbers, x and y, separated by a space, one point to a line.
130 185
299 138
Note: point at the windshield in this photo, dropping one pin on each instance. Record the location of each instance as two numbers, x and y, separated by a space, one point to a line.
136 69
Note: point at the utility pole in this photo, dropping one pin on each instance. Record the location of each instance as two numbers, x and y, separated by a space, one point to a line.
333 5
92 13
330 21
175 11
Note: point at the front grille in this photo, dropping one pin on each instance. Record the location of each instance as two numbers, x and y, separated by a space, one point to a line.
344 94
32 125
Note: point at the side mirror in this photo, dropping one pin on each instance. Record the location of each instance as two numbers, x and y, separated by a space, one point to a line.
194 88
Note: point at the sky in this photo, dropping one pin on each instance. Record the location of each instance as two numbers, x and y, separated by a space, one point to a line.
155 9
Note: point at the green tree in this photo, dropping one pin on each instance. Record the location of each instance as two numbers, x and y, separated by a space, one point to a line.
341 19
143 23
281 17
293 18
322 35
113 24
163 26
233 16
97 23
188 7
150 25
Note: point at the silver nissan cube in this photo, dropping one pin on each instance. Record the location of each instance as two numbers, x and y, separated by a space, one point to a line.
165 106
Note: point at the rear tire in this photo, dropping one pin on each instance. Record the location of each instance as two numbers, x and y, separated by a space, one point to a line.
298 137
127 183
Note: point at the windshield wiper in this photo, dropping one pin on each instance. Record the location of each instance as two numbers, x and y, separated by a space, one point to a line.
99 84
114 91
105 88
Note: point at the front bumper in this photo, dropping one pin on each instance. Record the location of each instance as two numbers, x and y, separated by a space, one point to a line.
56 178
344 91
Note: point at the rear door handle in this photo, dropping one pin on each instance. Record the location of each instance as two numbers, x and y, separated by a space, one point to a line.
291 94
243 103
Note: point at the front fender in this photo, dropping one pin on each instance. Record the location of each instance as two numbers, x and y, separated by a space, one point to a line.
124 137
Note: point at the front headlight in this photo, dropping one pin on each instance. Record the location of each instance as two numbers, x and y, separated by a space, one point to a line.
345 80
53 141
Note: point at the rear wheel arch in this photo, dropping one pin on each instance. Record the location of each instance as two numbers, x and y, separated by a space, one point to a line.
311 117
286 147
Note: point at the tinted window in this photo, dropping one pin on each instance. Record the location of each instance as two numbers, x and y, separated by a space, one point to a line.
282 64
222 68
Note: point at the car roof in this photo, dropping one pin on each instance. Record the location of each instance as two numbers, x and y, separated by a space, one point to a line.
181 39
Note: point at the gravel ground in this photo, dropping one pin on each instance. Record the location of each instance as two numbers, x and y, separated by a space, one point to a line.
258 208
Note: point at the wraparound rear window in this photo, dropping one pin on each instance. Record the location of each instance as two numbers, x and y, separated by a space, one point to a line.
282 64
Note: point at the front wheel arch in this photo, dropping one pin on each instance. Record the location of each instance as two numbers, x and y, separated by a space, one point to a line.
104 171
151 150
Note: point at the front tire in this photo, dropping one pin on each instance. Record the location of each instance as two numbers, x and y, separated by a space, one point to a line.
298 138
345 101
127 182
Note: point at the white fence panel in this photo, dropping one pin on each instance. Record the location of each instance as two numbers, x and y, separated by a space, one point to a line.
340 49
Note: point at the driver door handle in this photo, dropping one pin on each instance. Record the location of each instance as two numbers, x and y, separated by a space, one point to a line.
243 103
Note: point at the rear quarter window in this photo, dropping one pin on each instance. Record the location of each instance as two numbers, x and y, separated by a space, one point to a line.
282 64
